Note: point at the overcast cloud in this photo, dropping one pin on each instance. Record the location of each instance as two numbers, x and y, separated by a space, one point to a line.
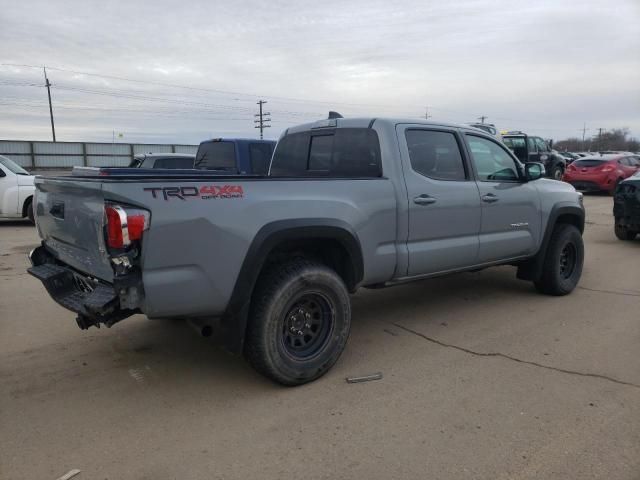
541 66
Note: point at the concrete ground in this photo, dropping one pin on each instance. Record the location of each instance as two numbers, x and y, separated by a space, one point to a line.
483 379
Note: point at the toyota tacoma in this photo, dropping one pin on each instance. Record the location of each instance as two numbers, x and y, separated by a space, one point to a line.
268 262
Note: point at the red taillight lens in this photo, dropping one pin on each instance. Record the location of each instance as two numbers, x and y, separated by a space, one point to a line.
571 168
115 238
608 168
124 225
136 224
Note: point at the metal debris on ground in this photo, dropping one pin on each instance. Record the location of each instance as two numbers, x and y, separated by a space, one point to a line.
69 474
364 378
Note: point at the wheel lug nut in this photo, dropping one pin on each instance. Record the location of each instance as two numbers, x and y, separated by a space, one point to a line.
308 316
307 325
300 332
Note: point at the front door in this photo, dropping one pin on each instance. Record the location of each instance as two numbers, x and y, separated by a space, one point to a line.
443 200
511 212
8 193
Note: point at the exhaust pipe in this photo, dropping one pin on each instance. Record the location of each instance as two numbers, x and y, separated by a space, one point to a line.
202 327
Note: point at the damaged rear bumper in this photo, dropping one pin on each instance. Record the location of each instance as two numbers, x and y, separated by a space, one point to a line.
96 302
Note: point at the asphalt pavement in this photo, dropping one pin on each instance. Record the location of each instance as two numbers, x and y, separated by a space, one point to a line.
483 378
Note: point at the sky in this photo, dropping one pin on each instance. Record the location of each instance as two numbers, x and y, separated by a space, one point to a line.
181 72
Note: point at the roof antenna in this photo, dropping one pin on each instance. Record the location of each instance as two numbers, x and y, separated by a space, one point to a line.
333 114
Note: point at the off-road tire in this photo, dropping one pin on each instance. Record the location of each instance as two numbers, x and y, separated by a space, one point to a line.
557 279
279 292
622 232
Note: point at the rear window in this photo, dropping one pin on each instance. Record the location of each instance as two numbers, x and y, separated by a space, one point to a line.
217 156
174 162
589 163
259 157
343 152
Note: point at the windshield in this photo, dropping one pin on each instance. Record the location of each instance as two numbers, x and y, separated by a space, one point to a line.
13 166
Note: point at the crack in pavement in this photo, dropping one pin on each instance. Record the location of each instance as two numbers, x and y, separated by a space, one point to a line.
612 292
514 359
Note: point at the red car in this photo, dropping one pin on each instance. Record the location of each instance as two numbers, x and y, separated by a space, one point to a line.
601 173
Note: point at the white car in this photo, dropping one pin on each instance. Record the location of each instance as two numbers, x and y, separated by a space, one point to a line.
16 190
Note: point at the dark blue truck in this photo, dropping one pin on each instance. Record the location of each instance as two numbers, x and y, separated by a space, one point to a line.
235 155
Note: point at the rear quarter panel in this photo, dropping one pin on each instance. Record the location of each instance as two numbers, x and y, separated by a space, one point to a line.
195 247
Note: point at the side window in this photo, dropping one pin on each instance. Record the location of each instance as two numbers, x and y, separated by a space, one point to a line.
174 162
356 153
259 157
320 153
492 162
542 146
435 154
532 145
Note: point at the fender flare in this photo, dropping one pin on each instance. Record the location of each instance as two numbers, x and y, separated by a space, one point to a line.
531 269
234 320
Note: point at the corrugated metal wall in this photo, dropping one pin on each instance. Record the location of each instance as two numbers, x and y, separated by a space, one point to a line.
69 154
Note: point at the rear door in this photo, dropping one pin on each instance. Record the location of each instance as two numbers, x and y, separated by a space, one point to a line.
444 204
8 192
511 215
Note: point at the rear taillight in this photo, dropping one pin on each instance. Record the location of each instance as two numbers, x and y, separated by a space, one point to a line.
608 168
571 168
124 225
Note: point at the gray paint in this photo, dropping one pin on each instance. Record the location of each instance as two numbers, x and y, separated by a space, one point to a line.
194 249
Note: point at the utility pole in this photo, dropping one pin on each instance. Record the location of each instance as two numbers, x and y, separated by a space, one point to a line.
600 138
262 118
482 118
584 131
48 85
426 113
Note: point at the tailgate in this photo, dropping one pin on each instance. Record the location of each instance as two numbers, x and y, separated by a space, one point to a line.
70 220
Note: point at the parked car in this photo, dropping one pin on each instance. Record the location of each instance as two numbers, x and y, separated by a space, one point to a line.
274 258
534 149
16 190
235 155
163 161
626 208
601 173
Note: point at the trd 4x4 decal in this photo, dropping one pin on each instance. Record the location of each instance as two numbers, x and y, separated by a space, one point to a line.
206 192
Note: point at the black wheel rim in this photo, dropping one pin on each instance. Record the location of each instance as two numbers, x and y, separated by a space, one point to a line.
568 258
307 326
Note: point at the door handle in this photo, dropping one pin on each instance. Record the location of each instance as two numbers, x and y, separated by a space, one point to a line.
489 198
424 200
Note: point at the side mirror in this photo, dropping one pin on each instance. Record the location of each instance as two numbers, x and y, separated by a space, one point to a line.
533 171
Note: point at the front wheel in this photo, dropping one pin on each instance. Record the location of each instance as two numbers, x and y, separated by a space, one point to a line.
622 232
563 261
557 172
299 324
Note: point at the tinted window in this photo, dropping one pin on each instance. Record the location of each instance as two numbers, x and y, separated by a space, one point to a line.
343 152
492 162
174 162
532 145
320 152
588 163
259 157
542 146
217 156
435 154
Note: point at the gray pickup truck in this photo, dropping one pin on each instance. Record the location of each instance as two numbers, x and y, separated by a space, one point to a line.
267 262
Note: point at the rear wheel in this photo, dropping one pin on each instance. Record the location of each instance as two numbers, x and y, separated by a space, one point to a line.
622 232
563 261
299 324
